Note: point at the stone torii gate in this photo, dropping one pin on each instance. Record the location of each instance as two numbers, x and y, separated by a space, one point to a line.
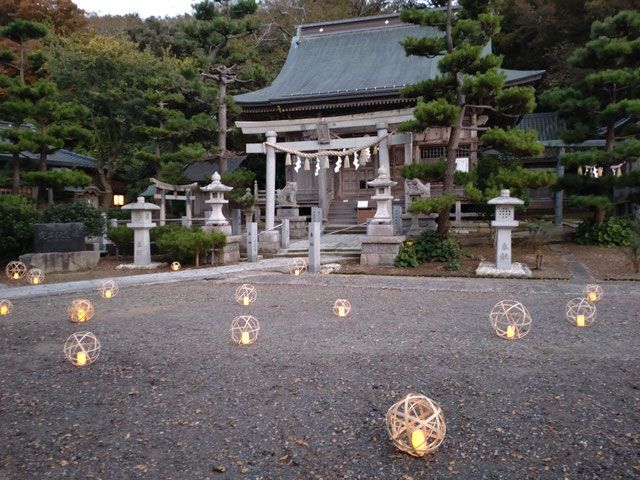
161 194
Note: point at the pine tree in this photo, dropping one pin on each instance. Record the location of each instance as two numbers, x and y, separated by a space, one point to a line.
470 84
20 31
214 36
606 102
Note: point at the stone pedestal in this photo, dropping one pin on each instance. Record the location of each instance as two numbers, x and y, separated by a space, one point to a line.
230 253
380 250
287 212
52 262
269 242
297 226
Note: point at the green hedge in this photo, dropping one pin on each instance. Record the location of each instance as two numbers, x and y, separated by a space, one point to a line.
17 217
77 211
121 236
429 247
616 231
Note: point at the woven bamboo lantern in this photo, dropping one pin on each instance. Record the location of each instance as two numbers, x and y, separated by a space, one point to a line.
82 348
35 276
342 307
15 270
416 425
510 319
581 312
298 266
81 311
6 307
244 330
175 266
246 294
109 289
593 293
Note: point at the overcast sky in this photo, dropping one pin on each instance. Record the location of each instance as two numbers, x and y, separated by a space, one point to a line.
144 8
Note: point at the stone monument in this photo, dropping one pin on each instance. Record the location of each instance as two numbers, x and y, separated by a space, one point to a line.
141 224
217 222
381 246
60 247
504 223
288 208
415 191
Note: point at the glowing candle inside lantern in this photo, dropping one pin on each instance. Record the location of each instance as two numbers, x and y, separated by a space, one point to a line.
4 309
245 300
296 272
108 294
418 441
245 339
580 320
36 280
592 296
81 359
511 331
16 276
341 311
81 314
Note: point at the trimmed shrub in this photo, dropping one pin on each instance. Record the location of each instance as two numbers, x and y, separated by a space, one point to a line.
429 247
18 215
77 211
121 236
186 245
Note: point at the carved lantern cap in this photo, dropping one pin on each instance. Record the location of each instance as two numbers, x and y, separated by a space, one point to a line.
382 180
215 185
141 205
505 199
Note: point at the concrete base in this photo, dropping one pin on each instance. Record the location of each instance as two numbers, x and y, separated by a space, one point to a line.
380 229
297 227
381 250
133 266
52 262
230 253
269 242
287 212
488 269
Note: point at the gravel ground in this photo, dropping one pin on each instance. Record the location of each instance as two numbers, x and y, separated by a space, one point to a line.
171 398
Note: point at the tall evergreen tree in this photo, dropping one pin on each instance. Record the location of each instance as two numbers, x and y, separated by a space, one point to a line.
214 36
20 31
606 102
470 84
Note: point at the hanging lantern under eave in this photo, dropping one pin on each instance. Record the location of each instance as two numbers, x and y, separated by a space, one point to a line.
307 166
287 160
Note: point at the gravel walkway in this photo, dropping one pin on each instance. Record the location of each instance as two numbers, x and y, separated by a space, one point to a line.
171 398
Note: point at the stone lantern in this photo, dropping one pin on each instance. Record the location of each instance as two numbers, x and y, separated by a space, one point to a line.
141 224
504 223
216 199
380 224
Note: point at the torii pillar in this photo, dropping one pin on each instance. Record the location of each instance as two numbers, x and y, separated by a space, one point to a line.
270 238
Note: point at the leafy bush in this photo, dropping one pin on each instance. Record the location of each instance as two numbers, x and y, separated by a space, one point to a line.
240 179
633 250
185 245
616 231
118 213
430 247
16 228
121 236
77 211
426 206
156 232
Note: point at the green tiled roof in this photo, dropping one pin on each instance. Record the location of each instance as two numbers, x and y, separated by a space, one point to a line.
362 62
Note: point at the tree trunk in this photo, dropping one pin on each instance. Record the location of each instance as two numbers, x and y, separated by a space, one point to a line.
107 198
15 180
599 216
43 162
22 61
222 123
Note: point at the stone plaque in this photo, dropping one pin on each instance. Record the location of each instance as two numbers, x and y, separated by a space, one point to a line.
58 237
